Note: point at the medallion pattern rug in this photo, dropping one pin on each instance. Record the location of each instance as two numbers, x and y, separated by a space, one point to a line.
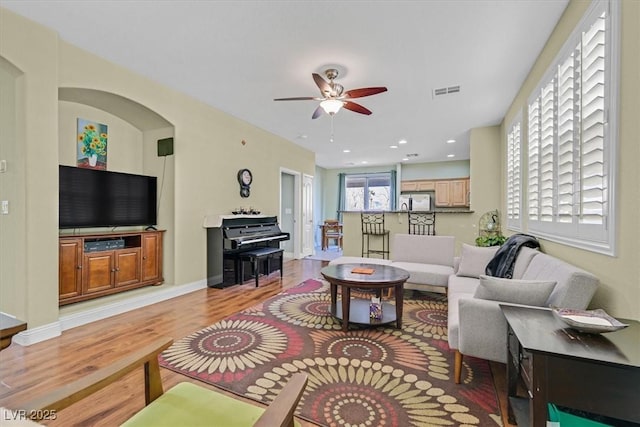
373 376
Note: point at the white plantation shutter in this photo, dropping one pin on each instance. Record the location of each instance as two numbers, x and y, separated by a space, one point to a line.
534 160
513 176
547 128
572 138
593 185
567 109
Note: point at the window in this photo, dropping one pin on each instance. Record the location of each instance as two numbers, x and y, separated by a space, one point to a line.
514 189
367 192
572 139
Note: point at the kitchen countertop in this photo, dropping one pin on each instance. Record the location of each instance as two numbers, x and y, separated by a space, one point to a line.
449 210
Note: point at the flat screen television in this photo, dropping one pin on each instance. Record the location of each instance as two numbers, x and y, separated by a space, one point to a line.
98 198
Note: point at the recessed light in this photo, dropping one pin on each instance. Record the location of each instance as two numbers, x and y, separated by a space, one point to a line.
450 141
393 146
346 151
364 162
451 155
405 159
402 141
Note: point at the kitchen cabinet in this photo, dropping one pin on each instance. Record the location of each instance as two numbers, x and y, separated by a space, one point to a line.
417 185
452 193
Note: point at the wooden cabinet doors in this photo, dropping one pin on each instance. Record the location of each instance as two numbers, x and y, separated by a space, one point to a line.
70 271
127 267
151 256
452 193
98 272
458 192
442 193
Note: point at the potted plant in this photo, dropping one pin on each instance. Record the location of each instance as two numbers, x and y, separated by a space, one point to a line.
490 240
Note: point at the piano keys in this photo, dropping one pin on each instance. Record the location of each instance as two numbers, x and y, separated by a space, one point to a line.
234 236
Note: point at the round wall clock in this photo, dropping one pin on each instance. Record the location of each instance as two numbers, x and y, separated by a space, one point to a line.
245 178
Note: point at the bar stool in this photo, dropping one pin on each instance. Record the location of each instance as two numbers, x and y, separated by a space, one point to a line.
373 225
422 223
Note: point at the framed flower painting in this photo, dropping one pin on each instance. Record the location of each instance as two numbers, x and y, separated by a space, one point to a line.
92 145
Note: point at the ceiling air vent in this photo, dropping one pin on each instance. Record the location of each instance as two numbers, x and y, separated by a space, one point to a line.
412 155
446 90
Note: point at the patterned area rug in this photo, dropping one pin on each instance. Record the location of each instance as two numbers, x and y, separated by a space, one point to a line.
377 376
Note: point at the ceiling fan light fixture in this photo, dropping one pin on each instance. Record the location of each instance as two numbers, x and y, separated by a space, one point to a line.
331 106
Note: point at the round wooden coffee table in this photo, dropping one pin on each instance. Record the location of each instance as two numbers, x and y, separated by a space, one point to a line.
357 310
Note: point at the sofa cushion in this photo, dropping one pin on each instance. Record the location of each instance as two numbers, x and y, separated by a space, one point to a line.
474 260
575 286
359 260
426 274
515 291
423 249
522 261
462 285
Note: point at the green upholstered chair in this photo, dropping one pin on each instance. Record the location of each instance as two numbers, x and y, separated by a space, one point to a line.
185 404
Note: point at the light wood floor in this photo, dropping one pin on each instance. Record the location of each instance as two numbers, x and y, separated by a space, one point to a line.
27 372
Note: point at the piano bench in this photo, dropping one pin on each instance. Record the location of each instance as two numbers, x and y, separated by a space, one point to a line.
258 257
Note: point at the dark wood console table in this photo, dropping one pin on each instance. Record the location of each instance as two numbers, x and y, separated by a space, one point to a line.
8 328
599 374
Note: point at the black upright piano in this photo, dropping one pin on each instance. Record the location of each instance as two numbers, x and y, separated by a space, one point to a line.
226 243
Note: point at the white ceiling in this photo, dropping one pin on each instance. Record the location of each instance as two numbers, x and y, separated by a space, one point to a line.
239 55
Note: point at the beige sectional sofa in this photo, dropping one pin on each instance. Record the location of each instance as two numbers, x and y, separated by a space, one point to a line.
430 260
476 326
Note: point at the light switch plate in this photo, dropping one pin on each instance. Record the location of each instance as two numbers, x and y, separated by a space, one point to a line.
3 166
4 207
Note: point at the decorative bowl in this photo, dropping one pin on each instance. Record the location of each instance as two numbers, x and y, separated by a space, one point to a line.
588 321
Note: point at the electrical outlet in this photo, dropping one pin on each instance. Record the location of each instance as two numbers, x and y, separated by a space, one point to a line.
4 207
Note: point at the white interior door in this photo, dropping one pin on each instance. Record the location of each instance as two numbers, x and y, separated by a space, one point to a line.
307 215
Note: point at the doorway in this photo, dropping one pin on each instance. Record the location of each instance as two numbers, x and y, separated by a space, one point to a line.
290 211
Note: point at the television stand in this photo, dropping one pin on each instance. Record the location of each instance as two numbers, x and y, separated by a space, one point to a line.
93 265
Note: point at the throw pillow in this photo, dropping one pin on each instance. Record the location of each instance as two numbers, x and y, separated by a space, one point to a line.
527 292
474 260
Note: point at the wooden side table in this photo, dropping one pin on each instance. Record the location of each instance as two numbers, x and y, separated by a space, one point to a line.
9 327
596 373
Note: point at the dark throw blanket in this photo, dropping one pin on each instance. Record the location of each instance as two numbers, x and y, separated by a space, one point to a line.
505 258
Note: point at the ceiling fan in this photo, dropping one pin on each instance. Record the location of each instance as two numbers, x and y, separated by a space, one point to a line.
333 96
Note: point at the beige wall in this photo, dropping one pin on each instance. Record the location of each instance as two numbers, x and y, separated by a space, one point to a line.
11 227
619 293
201 175
33 151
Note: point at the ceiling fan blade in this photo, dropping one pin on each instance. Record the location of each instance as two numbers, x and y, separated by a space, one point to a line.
317 113
324 87
356 107
298 98
365 91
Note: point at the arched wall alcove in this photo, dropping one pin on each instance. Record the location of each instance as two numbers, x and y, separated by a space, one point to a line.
134 130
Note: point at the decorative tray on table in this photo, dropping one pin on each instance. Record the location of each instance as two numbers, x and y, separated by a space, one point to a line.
589 321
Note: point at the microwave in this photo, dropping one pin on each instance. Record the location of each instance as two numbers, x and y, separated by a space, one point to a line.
414 202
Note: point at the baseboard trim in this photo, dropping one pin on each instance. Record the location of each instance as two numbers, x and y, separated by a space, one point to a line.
38 334
69 321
